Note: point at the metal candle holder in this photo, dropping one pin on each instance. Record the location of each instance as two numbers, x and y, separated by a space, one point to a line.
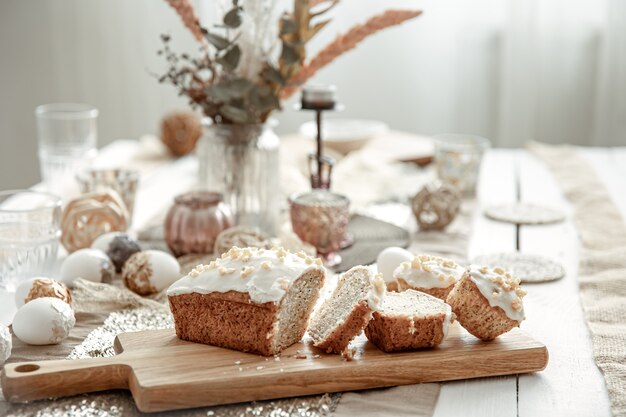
319 98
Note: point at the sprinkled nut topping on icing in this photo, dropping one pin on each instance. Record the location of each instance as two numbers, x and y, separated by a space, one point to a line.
284 283
266 275
246 271
501 289
225 271
426 271
280 252
379 283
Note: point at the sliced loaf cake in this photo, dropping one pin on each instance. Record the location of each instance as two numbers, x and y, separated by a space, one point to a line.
346 313
409 320
251 299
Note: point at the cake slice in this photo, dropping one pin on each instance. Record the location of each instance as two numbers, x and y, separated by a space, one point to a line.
409 320
430 274
348 310
487 302
252 300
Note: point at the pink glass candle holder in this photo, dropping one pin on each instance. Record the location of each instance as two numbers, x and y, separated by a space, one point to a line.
194 221
320 217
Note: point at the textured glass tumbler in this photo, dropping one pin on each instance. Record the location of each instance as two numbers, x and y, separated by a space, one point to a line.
458 158
321 218
29 235
67 136
122 181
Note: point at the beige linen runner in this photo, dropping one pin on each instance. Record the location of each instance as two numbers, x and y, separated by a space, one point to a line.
602 273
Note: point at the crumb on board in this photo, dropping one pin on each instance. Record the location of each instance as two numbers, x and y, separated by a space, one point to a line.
300 355
348 353
237 362
258 368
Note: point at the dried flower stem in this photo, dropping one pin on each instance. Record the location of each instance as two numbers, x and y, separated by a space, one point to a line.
190 19
344 43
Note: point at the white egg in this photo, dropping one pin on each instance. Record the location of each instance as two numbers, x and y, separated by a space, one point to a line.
102 242
22 290
43 321
40 287
6 344
90 264
389 259
150 271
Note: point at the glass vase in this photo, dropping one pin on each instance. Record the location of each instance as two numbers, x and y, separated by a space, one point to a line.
241 162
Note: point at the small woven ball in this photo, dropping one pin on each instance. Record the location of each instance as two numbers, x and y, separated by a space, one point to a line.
91 215
180 131
436 205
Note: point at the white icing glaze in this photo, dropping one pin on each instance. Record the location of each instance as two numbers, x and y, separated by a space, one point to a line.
264 274
376 292
426 271
500 289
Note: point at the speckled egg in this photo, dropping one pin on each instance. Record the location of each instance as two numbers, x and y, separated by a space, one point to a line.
6 344
43 321
150 271
41 287
90 264
118 246
389 259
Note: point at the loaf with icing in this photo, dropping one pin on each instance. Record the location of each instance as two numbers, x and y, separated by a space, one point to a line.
487 301
251 299
430 274
409 320
349 309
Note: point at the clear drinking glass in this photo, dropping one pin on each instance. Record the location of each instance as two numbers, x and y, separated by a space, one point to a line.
320 217
122 181
458 158
67 136
29 235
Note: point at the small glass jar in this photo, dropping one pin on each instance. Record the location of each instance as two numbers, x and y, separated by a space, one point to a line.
122 181
194 221
458 159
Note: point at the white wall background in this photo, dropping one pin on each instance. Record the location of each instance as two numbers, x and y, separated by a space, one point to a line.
510 70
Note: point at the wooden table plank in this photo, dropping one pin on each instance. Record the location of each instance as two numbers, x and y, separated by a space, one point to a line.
571 385
487 396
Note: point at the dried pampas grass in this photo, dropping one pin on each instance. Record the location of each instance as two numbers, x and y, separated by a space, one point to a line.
187 14
344 43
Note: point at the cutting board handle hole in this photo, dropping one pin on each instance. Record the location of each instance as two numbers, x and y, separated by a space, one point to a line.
29 367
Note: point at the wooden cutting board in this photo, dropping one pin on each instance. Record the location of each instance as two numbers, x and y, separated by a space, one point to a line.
165 373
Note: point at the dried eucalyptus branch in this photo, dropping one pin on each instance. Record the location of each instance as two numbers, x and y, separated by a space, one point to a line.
344 43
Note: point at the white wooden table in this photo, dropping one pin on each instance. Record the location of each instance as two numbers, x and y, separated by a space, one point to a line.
572 384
